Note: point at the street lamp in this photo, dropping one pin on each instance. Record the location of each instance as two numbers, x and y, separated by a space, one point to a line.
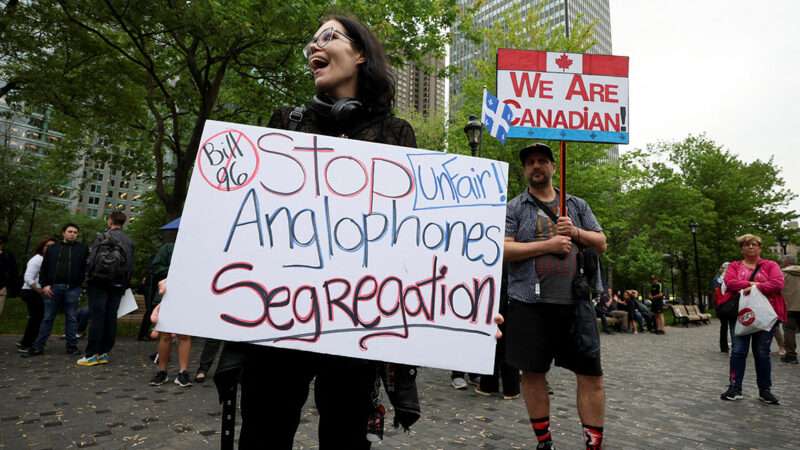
473 129
693 226
670 258
784 241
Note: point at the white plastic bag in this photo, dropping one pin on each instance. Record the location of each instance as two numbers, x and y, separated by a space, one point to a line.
127 304
755 313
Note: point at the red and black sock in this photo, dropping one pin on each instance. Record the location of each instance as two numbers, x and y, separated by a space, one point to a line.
541 427
594 437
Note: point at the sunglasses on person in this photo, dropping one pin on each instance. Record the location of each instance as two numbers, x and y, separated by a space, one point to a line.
323 39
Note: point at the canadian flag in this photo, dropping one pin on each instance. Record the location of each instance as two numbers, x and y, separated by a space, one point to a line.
564 62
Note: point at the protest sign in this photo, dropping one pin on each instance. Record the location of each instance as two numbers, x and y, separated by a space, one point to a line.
340 246
565 96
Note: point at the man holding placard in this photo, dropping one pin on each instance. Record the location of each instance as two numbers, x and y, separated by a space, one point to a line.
541 249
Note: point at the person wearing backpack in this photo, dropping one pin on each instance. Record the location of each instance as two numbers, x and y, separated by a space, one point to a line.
109 273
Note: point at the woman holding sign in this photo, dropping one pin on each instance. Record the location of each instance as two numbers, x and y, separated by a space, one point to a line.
354 95
740 278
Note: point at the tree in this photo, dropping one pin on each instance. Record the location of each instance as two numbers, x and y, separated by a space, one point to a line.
136 81
429 130
26 177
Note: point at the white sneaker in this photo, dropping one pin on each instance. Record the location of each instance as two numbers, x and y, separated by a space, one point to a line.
459 383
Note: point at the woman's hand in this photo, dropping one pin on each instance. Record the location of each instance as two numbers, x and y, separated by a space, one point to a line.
162 287
498 319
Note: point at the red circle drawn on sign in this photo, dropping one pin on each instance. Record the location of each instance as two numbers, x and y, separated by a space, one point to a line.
229 161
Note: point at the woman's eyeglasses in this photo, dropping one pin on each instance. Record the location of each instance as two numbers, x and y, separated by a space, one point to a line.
323 39
751 244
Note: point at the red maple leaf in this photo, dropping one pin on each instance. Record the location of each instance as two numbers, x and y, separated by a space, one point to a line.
563 62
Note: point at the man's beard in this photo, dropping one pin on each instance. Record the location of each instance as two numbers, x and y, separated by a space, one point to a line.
539 184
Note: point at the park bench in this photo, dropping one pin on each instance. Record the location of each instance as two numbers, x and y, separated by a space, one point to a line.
682 315
134 318
613 322
679 315
694 310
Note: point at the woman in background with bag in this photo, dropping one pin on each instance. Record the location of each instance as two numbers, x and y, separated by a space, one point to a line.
739 280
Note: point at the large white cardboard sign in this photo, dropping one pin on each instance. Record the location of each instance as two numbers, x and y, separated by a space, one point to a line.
340 246
565 96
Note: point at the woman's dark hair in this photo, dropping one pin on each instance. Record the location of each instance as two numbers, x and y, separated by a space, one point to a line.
40 247
375 78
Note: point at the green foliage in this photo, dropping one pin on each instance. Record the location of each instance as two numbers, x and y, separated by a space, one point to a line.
145 232
669 185
141 78
429 130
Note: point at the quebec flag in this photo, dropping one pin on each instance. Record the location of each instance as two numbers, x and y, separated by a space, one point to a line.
496 116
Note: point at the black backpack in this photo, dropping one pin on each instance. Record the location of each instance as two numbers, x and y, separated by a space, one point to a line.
109 261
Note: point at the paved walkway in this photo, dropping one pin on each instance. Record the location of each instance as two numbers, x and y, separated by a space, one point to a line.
662 393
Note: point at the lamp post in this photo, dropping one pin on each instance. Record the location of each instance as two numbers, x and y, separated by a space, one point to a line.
670 258
693 226
30 229
784 241
473 129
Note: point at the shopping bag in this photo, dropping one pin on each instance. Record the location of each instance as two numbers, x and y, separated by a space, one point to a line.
755 313
127 305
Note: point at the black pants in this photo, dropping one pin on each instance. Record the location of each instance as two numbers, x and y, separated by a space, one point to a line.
275 385
502 372
35 306
103 305
724 334
210 350
144 327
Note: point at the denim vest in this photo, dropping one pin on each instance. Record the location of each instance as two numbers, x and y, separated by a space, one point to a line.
521 212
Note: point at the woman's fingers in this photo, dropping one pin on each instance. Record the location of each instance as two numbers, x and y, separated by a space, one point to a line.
154 315
498 319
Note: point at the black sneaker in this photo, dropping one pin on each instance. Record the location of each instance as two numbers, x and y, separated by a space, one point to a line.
183 380
766 396
73 351
159 378
546 446
732 394
32 352
789 359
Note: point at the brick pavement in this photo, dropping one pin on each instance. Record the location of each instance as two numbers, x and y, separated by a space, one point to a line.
663 393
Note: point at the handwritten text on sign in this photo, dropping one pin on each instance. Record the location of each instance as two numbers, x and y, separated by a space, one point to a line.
565 96
340 246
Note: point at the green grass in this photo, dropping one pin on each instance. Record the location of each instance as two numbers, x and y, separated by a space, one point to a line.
15 316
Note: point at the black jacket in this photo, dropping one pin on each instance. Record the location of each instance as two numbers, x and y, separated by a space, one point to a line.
8 271
78 255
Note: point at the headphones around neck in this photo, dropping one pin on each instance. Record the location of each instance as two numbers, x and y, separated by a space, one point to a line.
341 110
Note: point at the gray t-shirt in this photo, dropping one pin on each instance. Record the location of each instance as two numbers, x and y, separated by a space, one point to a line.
555 272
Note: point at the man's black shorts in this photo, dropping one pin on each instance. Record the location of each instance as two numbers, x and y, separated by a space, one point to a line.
536 334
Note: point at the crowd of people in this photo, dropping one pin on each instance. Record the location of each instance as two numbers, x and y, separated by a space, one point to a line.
549 242
54 280
630 313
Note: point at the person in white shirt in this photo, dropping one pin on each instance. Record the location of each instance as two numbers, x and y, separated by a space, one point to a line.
32 296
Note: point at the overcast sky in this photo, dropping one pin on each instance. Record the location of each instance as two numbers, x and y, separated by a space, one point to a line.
728 68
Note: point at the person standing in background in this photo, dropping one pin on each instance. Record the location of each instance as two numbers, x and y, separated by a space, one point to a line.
32 296
8 272
62 273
